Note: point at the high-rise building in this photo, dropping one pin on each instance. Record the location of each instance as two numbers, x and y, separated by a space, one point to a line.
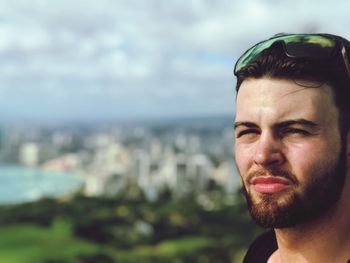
29 154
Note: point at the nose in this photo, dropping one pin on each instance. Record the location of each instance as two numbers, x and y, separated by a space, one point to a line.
269 151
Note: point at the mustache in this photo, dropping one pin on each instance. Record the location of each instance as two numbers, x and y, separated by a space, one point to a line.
273 172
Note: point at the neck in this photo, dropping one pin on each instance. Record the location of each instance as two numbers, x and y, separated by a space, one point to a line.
325 239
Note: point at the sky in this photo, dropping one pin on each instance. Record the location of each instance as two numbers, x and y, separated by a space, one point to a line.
67 60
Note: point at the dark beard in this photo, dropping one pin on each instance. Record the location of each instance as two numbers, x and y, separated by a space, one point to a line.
320 195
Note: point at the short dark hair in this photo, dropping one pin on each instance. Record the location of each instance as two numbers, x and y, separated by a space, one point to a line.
274 63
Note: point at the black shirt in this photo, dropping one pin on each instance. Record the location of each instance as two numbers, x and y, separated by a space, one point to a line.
262 248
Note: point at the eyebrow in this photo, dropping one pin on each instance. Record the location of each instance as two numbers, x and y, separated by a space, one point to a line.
302 122
246 124
279 125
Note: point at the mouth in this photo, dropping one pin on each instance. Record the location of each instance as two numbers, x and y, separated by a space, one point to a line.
269 184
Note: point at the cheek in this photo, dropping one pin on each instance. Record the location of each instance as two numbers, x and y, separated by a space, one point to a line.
312 157
242 157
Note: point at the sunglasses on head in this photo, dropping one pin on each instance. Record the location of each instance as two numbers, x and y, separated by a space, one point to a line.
312 46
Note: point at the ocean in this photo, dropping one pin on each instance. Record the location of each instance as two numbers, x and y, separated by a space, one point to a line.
22 184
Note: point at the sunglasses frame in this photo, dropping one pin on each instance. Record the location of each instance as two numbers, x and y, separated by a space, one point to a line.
339 45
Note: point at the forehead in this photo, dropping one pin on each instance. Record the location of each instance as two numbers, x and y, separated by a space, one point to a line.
278 99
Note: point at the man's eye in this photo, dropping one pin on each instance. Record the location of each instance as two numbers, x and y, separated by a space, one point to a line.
247 132
295 131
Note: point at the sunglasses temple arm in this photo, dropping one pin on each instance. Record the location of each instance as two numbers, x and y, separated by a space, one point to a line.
346 60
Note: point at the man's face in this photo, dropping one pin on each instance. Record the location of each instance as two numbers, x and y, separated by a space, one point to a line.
288 151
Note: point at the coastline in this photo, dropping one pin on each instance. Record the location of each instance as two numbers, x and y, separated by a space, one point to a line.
23 184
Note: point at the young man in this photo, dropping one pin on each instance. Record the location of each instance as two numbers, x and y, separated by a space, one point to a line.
293 146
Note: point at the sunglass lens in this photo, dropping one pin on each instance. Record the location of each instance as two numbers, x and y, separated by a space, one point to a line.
309 50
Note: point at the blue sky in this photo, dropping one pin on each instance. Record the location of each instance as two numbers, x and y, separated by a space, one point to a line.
134 59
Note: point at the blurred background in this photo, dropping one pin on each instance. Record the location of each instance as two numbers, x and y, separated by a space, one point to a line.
116 125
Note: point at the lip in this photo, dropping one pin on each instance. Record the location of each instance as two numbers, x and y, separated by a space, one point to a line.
269 184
